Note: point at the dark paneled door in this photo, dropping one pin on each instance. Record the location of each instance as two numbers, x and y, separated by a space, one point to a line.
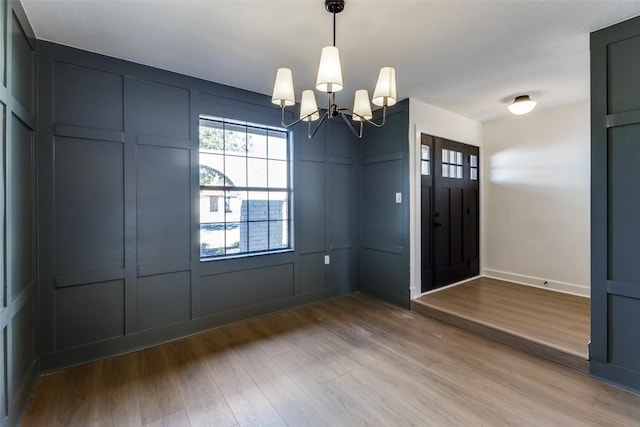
450 213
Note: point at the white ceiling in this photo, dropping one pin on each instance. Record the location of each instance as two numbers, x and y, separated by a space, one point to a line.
468 57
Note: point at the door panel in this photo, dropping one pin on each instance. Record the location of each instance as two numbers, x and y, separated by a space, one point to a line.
427 254
449 212
472 231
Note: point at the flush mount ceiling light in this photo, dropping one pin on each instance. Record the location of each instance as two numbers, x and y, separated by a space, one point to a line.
329 80
522 105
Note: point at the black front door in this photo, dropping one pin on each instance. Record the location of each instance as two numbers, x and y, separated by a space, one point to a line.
450 213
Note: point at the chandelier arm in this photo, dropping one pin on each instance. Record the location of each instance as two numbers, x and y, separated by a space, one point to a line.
348 122
378 125
324 116
287 126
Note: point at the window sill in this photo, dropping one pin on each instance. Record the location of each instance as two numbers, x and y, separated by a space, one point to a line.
246 255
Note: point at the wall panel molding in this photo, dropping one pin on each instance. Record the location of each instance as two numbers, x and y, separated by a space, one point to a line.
87 133
149 271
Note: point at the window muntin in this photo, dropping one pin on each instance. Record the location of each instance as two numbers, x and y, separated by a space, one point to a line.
246 167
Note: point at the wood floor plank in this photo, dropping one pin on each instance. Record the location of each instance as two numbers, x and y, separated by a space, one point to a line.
291 401
249 405
157 397
177 419
203 401
352 361
70 391
114 398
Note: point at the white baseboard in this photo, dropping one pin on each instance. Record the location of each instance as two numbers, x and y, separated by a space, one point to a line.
539 282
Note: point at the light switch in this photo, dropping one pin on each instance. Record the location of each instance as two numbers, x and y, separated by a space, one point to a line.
327 260
398 197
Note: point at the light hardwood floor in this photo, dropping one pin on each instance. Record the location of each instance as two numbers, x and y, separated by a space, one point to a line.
345 362
551 324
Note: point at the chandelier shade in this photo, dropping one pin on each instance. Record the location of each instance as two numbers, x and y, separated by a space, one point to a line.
385 93
308 106
329 72
283 92
329 81
361 106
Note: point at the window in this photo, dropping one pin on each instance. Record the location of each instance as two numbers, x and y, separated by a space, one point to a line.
247 168
473 167
425 161
451 164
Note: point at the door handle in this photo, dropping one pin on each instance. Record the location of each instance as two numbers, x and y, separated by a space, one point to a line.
437 224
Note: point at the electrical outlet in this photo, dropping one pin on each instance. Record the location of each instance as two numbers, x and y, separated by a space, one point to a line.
398 197
327 260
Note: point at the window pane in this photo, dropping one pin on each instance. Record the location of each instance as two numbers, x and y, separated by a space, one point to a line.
210 199
473 160
257 206
278 174
235 239
426 152
474 174
211 135
257 172
213 203
445 156
235 139
459 172
257 143
425 167
278 234
212 240
277 145
278 205
458 158
445 171
211 169
235 206
452 171
235 169
258 236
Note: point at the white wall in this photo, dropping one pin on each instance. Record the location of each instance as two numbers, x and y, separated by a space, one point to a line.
536 191
425 118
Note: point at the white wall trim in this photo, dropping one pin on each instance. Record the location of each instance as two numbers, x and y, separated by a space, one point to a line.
430 120
538 282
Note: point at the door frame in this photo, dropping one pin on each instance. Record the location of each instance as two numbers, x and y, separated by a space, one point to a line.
415 214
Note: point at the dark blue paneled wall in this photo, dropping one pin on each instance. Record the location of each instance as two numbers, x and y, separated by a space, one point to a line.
119 203
615 203
384 247
18 261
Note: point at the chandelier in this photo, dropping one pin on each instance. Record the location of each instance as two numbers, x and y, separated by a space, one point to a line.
330 81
